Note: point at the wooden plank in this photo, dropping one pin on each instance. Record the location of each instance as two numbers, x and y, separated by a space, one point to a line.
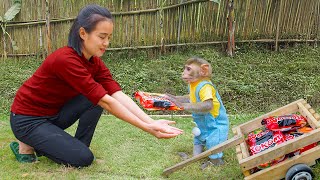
308 106
279 171
245 154
243 145
317 116
238 131
234 130
311 120
238 152
244 149
256 123
246 173
312 111
239 156
238 149
280 150
216 149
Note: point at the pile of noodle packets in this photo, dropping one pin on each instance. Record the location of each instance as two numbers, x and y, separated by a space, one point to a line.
277 130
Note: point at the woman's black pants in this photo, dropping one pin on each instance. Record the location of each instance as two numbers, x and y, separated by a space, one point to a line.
47 136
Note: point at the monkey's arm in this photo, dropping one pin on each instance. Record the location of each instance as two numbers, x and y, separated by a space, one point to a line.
178 99
204 106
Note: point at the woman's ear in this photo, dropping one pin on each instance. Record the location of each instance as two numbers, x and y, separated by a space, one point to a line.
82 33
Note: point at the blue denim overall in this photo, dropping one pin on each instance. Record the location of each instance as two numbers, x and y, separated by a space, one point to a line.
214 130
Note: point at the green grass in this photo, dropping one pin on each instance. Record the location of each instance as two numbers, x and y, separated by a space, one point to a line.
254 82
125 152
122 152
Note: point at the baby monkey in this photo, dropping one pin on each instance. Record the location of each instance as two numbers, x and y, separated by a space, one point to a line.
208 111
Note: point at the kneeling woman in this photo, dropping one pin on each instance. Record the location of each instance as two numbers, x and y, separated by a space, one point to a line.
74 84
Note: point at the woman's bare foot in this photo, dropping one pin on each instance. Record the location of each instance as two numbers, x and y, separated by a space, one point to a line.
25 149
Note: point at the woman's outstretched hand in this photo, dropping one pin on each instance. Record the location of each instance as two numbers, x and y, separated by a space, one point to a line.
162 129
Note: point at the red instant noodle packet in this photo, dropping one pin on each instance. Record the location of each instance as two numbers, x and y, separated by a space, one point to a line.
260 140
284 123
278 130
154 101
296 133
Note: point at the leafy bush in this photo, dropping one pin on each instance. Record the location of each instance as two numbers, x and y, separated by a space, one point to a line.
255 80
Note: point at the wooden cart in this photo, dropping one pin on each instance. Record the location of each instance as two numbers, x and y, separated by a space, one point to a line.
297 166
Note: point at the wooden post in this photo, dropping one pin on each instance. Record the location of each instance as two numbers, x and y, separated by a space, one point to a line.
162 48
179 24
231 28
317 19
278 26
4 44
48 28
41 51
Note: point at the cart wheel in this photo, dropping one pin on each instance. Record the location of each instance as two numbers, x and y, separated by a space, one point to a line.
299 172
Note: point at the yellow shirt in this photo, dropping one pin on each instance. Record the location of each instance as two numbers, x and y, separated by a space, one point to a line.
206 92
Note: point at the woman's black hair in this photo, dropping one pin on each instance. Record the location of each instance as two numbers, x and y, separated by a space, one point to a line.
87 18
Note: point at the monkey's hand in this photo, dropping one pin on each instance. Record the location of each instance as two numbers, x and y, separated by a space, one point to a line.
204 106
175 99
170 97
181 99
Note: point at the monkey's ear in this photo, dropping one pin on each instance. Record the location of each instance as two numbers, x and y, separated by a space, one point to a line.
204 70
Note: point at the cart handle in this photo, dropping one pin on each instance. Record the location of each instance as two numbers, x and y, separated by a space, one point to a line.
216 149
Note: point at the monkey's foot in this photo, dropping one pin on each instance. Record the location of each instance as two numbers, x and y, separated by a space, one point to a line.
183 155
212 162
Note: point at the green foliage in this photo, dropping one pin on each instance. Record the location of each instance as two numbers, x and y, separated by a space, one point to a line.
8 16
217 1
255 80
12 11
13 73
141 73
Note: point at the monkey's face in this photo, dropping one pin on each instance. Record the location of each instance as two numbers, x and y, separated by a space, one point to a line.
191 73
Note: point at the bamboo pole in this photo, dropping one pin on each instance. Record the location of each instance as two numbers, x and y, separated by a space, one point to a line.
162 39
317 29
192 44
179 24
210 9
40 30
245 22
278 26
231 29
252 19
309 22
193 22
48 33
36 22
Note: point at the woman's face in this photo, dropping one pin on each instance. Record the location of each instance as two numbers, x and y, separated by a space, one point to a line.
97 41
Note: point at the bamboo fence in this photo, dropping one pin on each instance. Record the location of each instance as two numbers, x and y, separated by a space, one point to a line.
43 25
